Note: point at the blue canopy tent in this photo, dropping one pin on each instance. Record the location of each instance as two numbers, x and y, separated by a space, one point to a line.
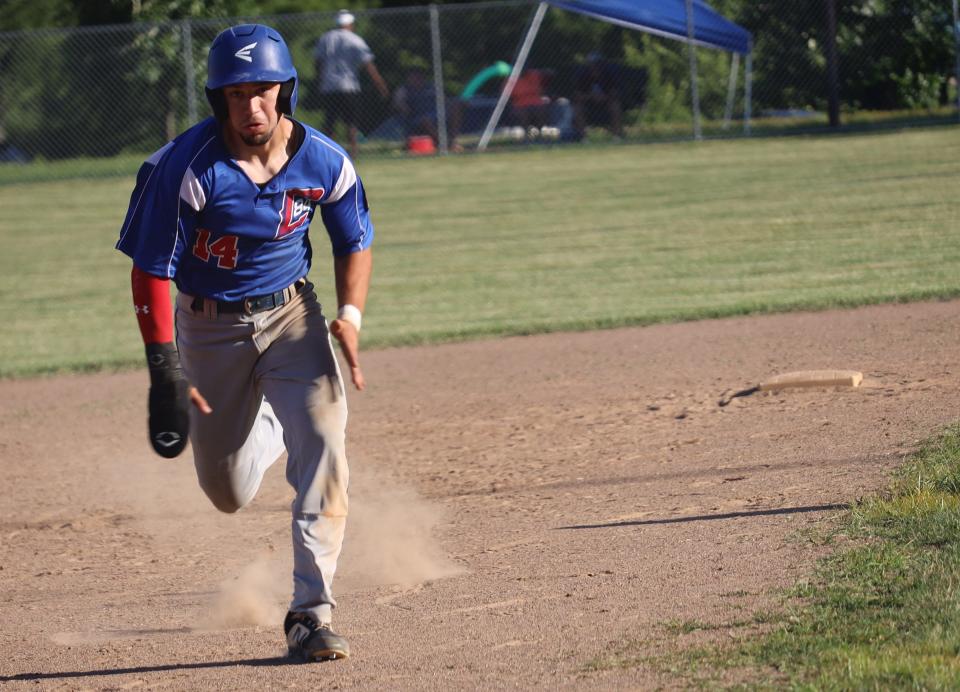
667 18
692 21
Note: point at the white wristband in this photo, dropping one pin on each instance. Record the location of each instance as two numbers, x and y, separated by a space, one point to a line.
350 313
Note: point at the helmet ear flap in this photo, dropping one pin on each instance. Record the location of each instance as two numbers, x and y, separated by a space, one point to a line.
287 99
218 103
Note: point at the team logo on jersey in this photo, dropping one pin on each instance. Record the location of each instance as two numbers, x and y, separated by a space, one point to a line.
297 206
244 53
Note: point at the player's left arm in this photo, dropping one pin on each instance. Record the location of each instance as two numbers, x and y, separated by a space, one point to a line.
352 274
346 216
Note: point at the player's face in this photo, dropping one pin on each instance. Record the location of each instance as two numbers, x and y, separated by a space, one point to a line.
252 110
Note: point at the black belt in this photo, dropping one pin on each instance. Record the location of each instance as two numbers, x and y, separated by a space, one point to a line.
250 304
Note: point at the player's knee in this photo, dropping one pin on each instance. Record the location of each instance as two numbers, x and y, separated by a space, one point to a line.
225 497
225 505
225 502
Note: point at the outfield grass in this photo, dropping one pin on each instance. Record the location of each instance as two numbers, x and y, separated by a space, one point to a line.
548 239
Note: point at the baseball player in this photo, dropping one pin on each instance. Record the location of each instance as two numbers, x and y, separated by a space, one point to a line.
225 210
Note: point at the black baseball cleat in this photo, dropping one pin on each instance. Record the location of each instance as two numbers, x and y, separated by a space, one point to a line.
309 640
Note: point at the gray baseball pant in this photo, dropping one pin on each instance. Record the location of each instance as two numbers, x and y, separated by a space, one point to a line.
273 383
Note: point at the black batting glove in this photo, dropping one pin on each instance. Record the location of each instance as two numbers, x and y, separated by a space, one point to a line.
169 401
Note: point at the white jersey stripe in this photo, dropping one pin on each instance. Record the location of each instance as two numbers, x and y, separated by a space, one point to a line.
347 179
176 231
356 205
191 191
158 154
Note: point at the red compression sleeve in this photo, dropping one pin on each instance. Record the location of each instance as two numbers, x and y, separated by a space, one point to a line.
151 301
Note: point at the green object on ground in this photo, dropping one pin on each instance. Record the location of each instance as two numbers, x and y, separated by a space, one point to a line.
497 69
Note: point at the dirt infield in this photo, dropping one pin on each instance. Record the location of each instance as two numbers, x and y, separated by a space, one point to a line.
530 512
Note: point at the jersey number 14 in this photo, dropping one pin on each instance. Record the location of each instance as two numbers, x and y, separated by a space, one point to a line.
223 248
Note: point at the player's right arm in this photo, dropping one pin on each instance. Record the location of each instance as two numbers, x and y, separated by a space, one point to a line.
170 394
153 237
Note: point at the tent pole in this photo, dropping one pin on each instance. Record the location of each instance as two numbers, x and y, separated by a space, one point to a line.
514 75
731 89
694 86
748 91
441 103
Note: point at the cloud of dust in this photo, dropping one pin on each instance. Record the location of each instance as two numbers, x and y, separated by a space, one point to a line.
160 494
258 595
390 537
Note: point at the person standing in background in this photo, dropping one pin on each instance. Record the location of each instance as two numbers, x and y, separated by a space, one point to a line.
338 55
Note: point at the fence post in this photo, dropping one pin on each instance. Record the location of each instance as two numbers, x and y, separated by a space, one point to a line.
438 79
189 84
833 78
748 90
956 50
694 86
731 89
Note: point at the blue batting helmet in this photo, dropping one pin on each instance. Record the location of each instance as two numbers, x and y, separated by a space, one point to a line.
250 53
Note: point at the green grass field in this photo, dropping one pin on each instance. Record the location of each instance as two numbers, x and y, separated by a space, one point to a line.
878 614
544 239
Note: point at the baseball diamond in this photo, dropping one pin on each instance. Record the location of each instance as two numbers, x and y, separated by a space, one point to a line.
549 545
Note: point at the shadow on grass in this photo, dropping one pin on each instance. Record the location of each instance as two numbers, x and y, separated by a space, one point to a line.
710 517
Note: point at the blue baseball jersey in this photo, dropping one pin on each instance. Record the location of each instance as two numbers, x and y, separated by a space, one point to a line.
197 218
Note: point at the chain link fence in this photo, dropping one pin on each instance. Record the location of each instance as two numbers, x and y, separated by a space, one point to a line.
117 93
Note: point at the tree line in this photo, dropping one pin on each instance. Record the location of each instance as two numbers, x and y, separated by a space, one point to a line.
888 55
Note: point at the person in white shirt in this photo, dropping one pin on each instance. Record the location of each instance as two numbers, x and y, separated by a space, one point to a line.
339 54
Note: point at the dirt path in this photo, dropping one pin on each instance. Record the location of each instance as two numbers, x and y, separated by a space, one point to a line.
522 509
